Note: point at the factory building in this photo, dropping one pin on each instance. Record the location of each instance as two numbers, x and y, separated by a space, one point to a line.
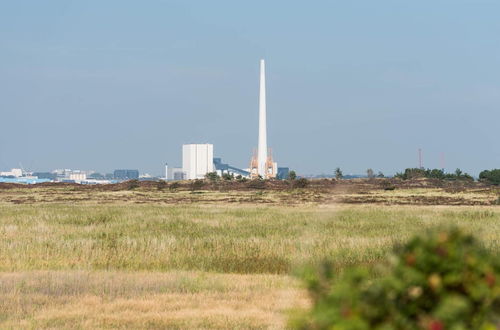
126 174
197 160
222 168
45 175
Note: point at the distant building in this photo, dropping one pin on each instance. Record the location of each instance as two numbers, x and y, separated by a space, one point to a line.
45 175
96 176
62 173
179 175
23 179
66 174
174 173
15 172
197 160
77 177
126 174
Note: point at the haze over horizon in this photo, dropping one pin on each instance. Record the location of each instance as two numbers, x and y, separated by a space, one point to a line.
356 85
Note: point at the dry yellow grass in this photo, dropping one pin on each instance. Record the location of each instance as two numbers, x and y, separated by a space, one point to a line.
92 300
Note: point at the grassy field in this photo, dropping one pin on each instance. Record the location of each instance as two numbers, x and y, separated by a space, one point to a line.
138 300
129 264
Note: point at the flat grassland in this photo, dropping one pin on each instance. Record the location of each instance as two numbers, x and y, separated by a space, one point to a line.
145 258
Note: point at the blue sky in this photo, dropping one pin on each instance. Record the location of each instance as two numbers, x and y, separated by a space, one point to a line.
351 84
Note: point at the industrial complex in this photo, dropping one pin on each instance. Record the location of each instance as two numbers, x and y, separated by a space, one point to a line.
197 160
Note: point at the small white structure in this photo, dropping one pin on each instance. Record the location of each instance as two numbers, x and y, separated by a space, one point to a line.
77 177
173 173
197 160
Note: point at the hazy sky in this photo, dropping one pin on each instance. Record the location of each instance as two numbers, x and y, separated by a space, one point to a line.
123 84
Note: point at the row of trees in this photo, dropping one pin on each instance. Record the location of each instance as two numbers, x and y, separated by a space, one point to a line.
489 176
412 173
213 176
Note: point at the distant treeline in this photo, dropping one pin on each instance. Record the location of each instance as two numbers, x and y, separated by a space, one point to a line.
489 176
412 173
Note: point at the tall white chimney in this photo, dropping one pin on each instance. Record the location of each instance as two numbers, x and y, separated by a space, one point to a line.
262 152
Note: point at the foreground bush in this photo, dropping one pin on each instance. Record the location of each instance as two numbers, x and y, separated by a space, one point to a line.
444 281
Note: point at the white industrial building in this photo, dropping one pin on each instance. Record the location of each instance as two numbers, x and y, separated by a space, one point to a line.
77 177
15 172
197 160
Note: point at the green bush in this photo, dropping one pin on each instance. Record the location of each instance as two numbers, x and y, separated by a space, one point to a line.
212 176
338 173
492 176
445 280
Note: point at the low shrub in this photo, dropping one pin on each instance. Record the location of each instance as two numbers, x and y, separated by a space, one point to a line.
445 280
196 185
160 185
300 183
387 185
173 186
132 184
256 184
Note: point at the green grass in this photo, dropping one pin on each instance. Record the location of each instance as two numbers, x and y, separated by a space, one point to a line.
216 238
